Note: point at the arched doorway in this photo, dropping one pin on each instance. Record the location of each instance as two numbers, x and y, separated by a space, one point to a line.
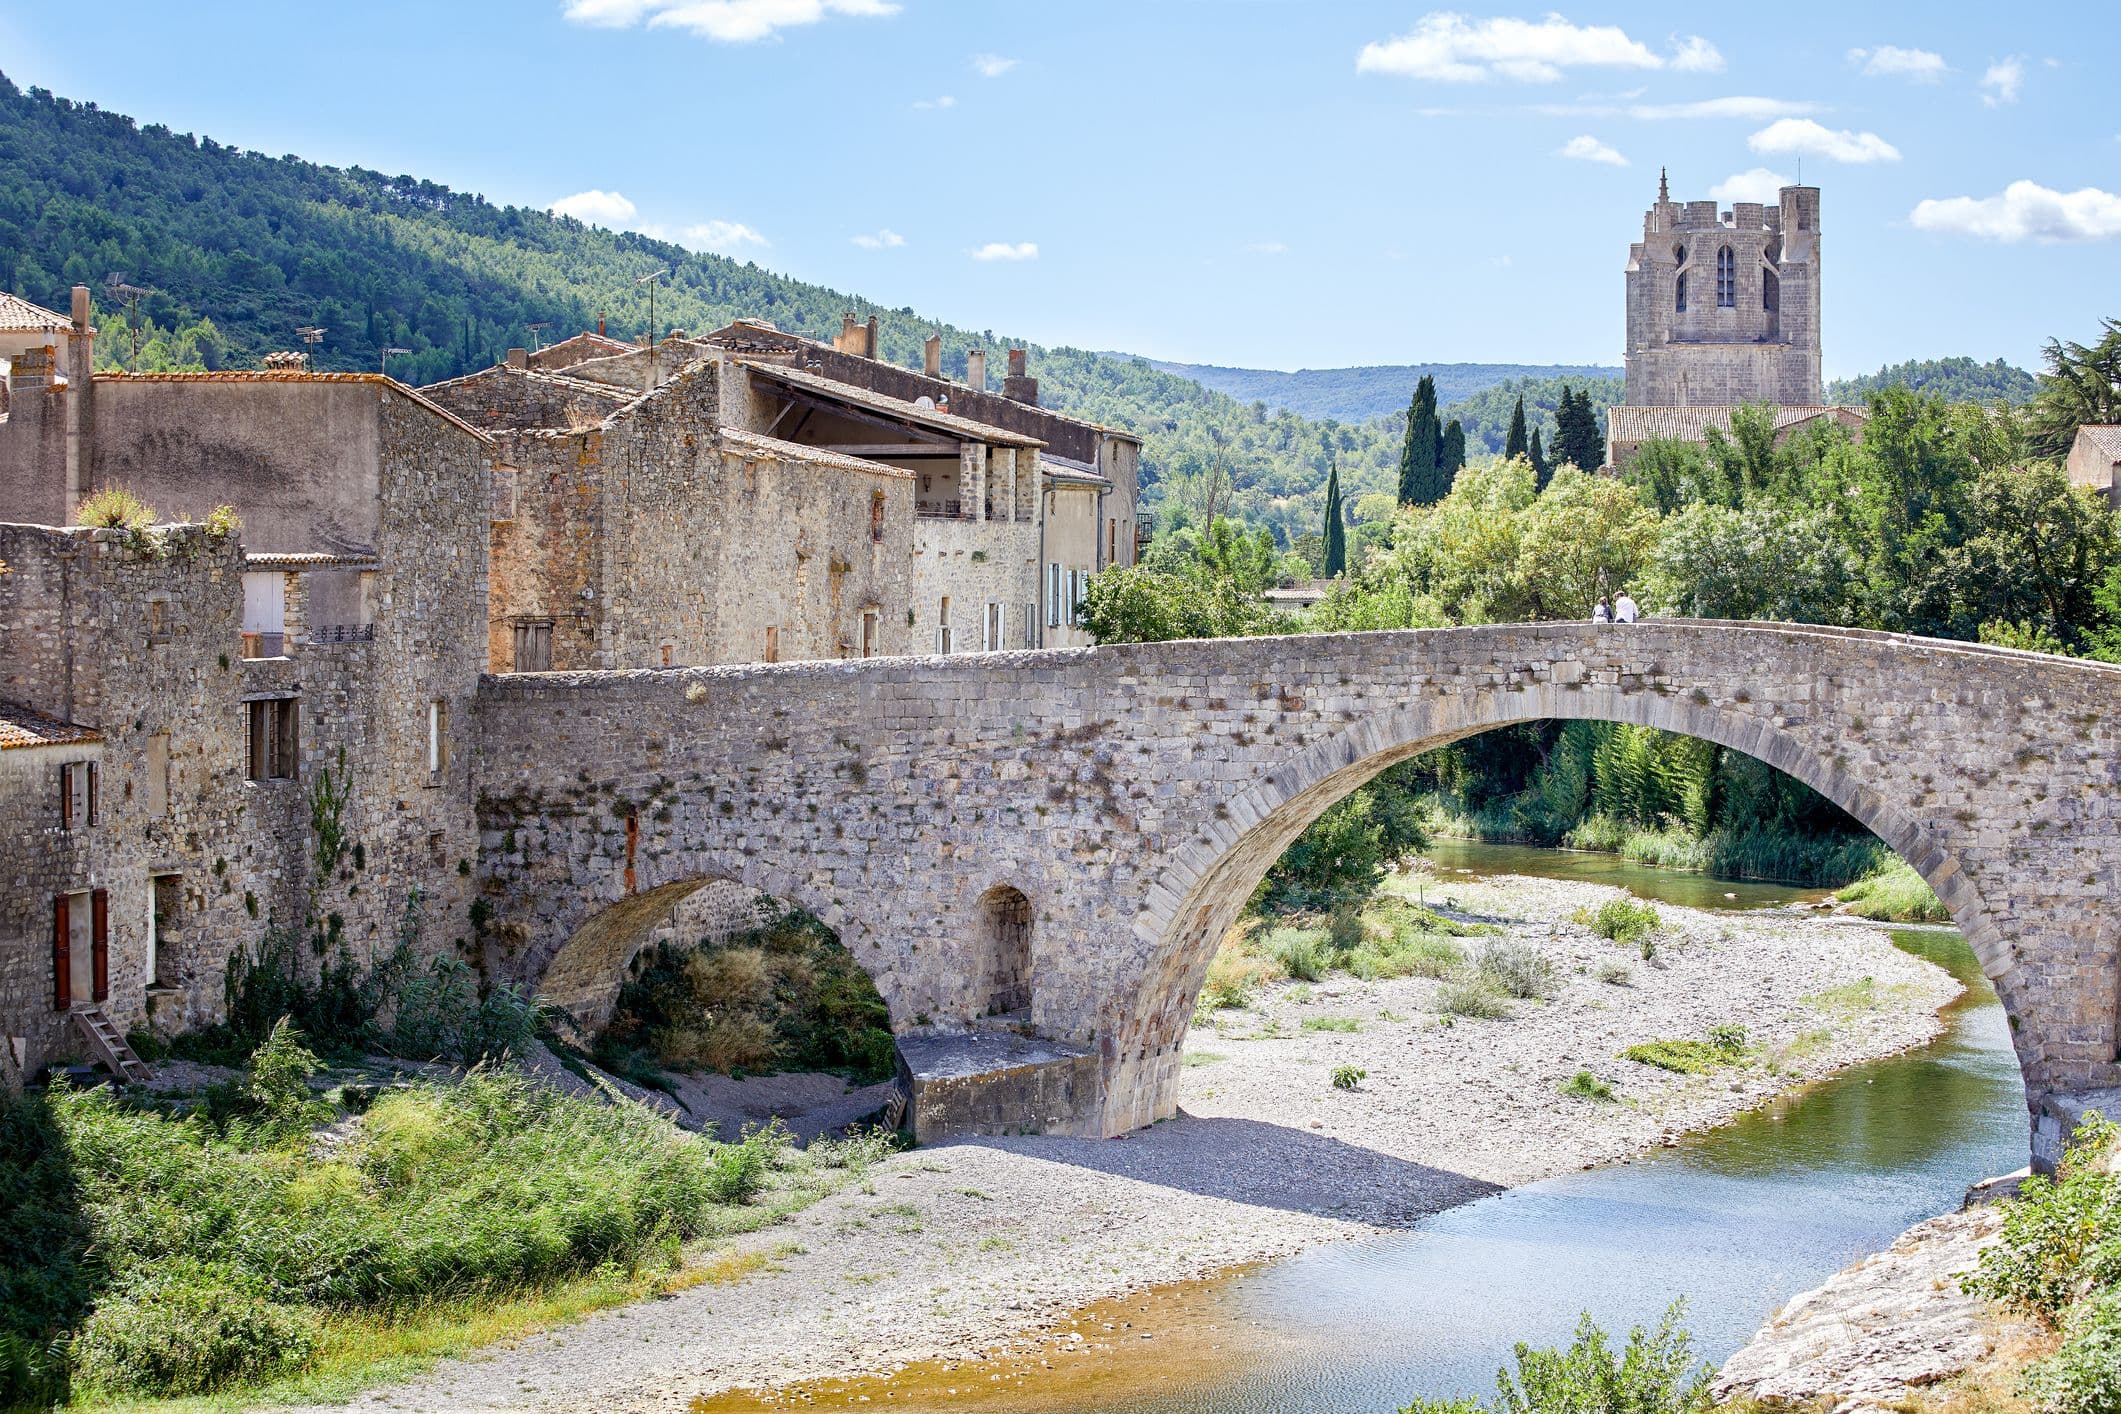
1005 920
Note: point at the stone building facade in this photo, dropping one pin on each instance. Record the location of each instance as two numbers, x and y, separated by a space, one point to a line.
2094 460
278 716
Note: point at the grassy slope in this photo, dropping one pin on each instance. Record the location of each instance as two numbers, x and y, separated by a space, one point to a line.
1361 393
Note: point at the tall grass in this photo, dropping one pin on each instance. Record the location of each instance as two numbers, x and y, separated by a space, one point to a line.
182 1258
1895 894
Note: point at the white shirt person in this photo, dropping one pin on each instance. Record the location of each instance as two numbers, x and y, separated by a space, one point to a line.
1624 611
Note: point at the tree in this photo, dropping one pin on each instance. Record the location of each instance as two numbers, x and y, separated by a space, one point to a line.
1585 535
1454 449
1336 559
2081 385
1421 479
1517 444
1577 440
1541 472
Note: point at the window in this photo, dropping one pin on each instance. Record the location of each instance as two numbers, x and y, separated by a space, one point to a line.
158 621
158 776
942 626
437 737
165 918
533 646
1112 542
77 795
1053 595
264 614
80 948
273 738
669 651
1726 279
995 643
773 644
876 517
1679 294
869 623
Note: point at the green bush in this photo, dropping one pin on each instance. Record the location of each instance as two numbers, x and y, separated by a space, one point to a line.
1655 1373
1624 920
116 508
2061 1237
1347 1077
1681 1057
2084 1376
1300 951
192 1328
1475 999
1585 1086
1896 894
1517 969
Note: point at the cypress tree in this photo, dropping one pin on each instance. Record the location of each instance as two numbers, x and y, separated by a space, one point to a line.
1421 479
1577 440
1541 472
1454 450
1336 529
1516 445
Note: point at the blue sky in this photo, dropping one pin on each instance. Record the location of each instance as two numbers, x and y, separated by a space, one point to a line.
1275 183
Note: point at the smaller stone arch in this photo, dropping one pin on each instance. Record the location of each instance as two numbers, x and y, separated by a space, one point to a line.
1005 951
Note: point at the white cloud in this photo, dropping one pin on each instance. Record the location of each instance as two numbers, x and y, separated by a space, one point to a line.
2025 211
1758 184
1802 137
1003 250
725 237
884 239
2002 82
1892 61
946 101
1695 55
992 66
725 21
596 208
1590 149
1267 248
1746 106
1450 48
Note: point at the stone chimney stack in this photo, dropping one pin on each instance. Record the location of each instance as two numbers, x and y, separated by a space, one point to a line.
849 341
869 343
519 358
1017 386
80 398
600 324
932 356
976 368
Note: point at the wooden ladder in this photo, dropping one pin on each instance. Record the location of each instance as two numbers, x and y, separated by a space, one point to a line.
109 1047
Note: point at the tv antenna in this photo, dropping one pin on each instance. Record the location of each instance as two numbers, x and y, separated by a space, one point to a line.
537 334
651 279
312 335
384 355
130 296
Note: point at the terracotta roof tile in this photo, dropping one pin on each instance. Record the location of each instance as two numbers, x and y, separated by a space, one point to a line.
2105 438
797 452
896 407
18 314
23 727
1691 424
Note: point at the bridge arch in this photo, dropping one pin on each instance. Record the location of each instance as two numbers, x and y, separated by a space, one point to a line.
1204 886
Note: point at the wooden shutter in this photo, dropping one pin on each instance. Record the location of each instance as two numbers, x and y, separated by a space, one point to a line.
99 936
66 797
91 769
62 954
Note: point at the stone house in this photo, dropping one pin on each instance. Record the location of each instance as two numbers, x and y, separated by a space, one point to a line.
2095 460
216 737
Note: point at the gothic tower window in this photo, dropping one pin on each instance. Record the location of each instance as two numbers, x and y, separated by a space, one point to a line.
1726 279
1679 295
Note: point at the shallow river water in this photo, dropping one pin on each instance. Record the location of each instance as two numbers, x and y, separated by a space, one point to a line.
1735 1220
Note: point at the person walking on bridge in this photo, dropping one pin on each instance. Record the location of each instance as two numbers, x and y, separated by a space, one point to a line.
1624 610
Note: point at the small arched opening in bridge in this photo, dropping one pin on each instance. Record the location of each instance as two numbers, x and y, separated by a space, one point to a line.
1212 878
1005 936
708 974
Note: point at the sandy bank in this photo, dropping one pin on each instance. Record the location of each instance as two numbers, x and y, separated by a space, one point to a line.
976 1246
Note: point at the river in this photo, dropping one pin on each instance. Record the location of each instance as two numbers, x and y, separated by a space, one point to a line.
1735 1220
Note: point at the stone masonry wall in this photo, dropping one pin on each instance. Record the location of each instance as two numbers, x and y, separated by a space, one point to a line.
1135 794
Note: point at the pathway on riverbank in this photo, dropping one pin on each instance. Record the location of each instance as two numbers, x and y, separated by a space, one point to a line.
976 1247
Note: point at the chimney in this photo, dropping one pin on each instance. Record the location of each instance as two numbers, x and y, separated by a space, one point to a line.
80 309
976 368
600 324
932 355
1016 386
849 341
519 358
869 344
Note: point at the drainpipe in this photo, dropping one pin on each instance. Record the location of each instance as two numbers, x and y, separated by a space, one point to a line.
1038 488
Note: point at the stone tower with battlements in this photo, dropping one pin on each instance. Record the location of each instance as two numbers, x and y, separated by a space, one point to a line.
1723 306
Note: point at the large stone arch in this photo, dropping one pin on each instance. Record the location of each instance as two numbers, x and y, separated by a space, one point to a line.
1202 890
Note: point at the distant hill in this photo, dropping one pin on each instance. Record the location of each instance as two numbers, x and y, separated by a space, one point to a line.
1373 390
1960 379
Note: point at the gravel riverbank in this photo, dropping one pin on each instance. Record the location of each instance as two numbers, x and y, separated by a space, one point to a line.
972 1247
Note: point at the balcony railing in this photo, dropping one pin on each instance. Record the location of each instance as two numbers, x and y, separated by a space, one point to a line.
343 633
943 510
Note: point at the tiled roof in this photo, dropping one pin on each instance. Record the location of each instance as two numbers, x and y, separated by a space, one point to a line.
577 347
22 727
961 427
1072 476
797 452
2105 438
18 314
1692 424
278 375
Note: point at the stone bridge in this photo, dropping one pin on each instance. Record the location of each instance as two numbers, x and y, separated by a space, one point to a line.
1063 837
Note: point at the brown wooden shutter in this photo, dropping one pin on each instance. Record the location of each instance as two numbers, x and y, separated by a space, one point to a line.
62 954
91 769
99 931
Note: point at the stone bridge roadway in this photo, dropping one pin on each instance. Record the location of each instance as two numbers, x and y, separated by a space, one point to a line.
1096 818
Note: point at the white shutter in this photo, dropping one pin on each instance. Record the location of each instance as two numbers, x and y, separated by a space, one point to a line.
1030 625
1053 595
